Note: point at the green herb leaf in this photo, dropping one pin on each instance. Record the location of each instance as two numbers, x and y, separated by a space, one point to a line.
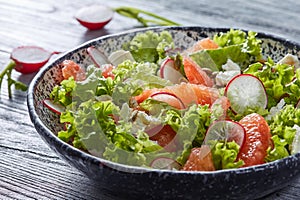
7 72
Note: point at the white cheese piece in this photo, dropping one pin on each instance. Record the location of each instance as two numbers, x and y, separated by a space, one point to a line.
290 60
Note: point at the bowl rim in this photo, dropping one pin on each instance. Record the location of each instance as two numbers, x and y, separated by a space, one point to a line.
40 126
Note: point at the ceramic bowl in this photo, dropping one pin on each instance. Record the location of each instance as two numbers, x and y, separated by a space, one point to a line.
131 182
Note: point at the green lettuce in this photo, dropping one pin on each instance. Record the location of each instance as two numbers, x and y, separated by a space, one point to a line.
293 89
70 134
280 81
191 132
95 130
190 124
93 126
247 41
149 46
131 78
283 131
241 47
131 149
225 155
63 93
86 90
279 150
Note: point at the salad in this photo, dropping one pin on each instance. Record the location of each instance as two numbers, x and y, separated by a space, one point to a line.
219 104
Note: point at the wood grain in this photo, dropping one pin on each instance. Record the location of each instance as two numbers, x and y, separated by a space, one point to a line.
28 168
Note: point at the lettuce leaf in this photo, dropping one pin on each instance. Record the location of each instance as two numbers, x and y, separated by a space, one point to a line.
225 155
70 134
283 132
190 124
63 93
93 125
280 80
131 78
86 90
234 53
293 89
236 45
282 123
127 69
149 46
192 130
232 37
130 144
279 150
247 41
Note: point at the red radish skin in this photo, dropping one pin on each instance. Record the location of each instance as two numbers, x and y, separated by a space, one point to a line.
169 98
30 59
94 17
54 107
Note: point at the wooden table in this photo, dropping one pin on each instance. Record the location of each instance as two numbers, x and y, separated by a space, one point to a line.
28 168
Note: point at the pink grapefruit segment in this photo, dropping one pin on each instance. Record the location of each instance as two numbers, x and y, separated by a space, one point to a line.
257 140
72 69
195 74
186 92
205 43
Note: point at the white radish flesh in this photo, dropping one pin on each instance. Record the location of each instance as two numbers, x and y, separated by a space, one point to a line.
225 130
168 72
97 56
94 17
244 92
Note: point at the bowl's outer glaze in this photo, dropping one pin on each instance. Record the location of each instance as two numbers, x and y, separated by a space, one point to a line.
136 182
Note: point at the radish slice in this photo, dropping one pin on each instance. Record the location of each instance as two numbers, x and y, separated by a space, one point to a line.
169 98
225 130
246 91
94 17
165 163
55 107
97 56
30 59
168 72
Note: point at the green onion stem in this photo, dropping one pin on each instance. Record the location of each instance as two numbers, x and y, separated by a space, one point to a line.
135 12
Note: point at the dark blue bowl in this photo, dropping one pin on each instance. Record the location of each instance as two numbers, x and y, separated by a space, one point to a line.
142 183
